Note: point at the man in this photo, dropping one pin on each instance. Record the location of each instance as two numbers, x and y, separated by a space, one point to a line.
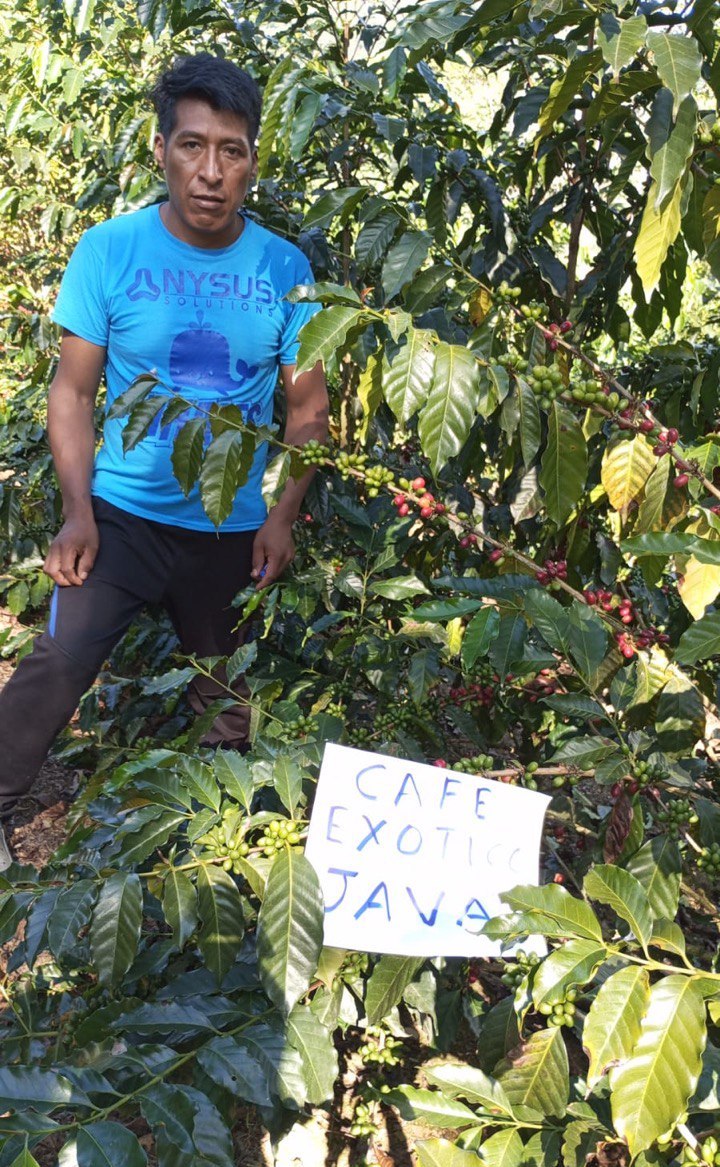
194 290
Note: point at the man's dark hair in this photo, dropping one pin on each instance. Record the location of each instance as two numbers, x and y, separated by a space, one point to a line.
218 82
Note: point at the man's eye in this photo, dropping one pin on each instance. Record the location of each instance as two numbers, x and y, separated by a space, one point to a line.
191 145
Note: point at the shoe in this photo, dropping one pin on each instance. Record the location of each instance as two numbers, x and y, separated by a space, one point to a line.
5 857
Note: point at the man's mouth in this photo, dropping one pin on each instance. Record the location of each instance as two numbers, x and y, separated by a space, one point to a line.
207 200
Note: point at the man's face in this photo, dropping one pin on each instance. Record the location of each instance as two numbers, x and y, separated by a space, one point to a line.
209 163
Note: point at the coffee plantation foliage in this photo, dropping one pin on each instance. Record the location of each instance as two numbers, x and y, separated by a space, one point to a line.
509 565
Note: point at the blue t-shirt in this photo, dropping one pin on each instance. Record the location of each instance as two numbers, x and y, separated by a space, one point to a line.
211 324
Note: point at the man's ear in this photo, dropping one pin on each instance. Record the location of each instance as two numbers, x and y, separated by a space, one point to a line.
159 150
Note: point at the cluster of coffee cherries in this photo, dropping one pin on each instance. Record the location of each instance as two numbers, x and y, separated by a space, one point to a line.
562 1012
590 391
709 1152
380 1053
676 815
512 360
363 1125
546 382
533 310
467 696
640 776
507 292
397 718
552 570
300 727
359 735
571 778
415 493
469 540
345 463
479 764
529 779
709 859
277 834
375 478
626 645
355 965
645 637
543 685
708 133
666 439
314 453
225 840
553 331
516 973
609 602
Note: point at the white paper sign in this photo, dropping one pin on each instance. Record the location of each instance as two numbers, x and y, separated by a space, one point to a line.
412 858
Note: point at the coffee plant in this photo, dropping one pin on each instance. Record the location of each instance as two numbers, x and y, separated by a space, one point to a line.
509 565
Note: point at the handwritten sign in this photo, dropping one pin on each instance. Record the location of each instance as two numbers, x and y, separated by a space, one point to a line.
412 858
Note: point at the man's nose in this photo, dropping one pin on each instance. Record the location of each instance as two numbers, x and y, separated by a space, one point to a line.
211 169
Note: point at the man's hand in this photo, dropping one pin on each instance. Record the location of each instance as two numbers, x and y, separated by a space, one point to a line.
273 549
72 552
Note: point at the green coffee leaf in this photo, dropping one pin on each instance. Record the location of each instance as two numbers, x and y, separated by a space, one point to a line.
314 1042
105 1144
430 1106
170 1115
658 868
503 1149
564 90
447 416
407 376
479 635
232 1066
22 1087
326 333
187 453
221 919
678 61
651 1088
225 468
620 40
671 159
556 911
441 1153
403 260
575 963
115 928
290 929
700 641
387 982
71 915
564 464
477 1088
180 906
624 894
140 419
530 431
232 771
535 1073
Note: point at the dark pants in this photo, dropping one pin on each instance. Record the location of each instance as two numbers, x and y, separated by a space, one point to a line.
194 574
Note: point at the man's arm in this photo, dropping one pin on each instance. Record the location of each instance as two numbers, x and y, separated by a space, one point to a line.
307 417
71 430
